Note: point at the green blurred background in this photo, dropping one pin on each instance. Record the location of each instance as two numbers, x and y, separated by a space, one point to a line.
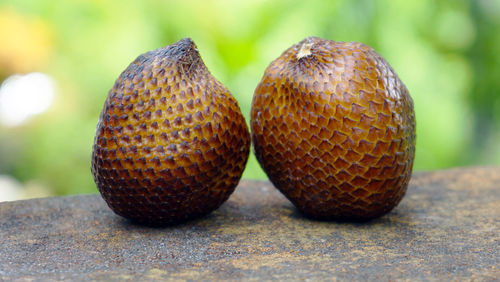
446 52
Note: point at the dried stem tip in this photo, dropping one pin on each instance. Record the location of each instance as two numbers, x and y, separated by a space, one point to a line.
305 50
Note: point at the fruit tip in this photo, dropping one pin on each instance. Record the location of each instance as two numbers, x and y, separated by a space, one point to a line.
184 46
185 52
305 47
188 42
305 50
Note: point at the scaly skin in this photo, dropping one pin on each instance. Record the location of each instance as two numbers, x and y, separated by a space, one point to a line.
171 142
334 129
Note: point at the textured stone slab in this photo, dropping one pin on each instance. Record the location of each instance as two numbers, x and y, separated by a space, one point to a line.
447 227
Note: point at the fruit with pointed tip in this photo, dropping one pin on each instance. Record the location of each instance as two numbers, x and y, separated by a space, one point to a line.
171 142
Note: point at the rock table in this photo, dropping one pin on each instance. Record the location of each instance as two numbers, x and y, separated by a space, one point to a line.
446 227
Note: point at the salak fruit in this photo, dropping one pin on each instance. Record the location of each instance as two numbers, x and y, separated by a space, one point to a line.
171 142
333 127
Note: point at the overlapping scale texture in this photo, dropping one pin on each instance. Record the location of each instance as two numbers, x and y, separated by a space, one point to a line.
334 129
171 142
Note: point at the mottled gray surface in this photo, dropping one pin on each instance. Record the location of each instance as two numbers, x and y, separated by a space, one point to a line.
447 227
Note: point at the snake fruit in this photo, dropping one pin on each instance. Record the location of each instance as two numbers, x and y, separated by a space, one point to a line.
171 142
333 127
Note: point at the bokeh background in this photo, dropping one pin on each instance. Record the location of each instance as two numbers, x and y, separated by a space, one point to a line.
59 58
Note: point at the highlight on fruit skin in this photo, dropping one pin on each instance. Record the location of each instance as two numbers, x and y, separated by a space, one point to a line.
171 142
333 127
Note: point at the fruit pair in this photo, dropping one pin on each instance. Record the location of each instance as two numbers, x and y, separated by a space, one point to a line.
332 126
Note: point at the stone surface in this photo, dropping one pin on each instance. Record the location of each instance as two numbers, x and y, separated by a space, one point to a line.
446 227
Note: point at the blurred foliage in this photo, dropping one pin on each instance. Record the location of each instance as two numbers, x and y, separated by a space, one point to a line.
446 52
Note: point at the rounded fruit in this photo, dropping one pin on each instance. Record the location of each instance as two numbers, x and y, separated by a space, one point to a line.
171 142
334 129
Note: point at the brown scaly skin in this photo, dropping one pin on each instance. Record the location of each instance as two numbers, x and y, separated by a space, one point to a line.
334 129
171 142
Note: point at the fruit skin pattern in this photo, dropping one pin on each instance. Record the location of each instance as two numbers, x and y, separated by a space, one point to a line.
334 129
171 142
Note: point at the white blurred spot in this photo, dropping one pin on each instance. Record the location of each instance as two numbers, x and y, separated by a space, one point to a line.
24 96
10 189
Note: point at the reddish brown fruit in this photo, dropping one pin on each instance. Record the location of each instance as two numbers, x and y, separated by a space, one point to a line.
171 142
334 129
